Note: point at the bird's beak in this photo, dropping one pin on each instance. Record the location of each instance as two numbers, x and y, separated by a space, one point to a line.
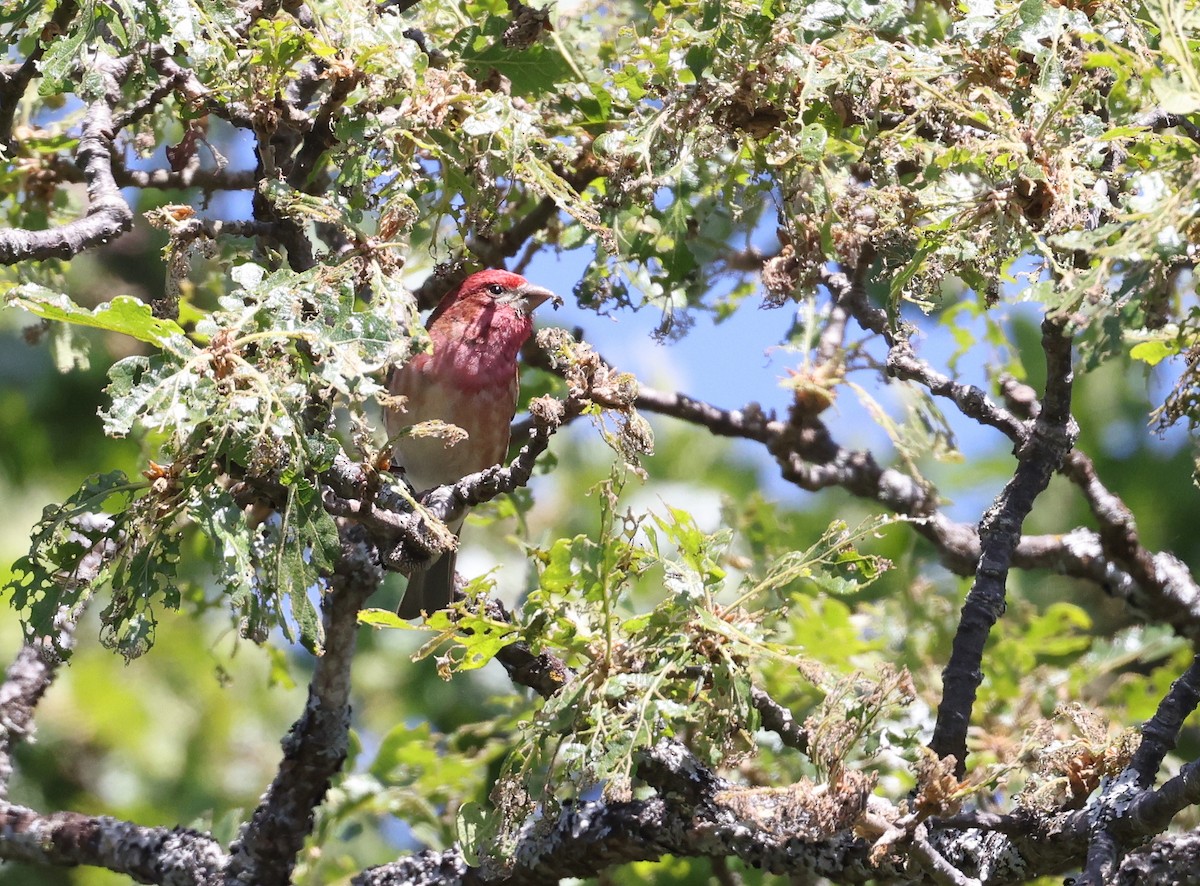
530 296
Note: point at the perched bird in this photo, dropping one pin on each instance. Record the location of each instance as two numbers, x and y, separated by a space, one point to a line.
469 380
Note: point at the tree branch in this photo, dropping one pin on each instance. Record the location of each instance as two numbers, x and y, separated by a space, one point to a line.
168 856
694 814
107 215
14 81
316 747
1053 435
26 681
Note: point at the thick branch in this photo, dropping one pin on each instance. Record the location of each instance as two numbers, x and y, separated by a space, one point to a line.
695 814
1165 862
316 747
167 856
108 215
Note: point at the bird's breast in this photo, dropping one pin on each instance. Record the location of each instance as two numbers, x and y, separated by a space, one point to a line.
434 391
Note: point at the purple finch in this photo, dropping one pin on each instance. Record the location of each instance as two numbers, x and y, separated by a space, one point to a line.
469 380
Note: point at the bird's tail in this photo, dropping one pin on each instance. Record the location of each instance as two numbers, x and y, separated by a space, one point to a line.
430 589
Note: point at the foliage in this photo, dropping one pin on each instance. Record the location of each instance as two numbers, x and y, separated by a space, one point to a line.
905 183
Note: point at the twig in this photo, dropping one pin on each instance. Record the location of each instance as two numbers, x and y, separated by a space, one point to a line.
779 720
543 673
941 870
194 91
35 667
320 136
903 363
25 682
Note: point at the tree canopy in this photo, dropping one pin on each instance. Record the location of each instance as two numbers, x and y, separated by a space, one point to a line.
932 619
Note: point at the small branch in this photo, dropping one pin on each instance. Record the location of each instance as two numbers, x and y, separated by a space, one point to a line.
196 93
779 720
25 682
942 872
211 229
397 7
63 170
903 363
1104 853
544 673
1152 811
404 536
320 137
205 179
1053 435
492 252
36 666
749 422
1160 732
1013 825
316 747
1122 544
1126 812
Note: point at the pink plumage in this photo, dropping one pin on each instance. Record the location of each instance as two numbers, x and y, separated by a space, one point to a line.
469 380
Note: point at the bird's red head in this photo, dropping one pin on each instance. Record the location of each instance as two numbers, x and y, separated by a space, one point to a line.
499 288
479 328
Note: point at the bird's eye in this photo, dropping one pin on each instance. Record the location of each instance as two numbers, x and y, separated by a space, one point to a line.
495 289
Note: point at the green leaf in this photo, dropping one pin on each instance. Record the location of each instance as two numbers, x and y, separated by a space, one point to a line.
473 824
1174 96
531 71
385 618
1153 352
123 314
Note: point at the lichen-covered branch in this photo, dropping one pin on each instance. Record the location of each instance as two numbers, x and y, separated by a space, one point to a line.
694 813
165 856
1126 811
25 682
314 750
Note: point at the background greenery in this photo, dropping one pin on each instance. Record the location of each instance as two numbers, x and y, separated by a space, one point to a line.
703 160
